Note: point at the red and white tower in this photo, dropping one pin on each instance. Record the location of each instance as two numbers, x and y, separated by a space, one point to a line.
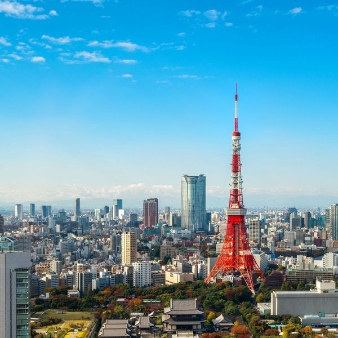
236 254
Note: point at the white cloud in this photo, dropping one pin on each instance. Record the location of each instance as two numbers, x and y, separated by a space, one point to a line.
5 60
15 56
95 2
60 41
210 25
53 13
181 34
257 12
18 10
329 7
186 76
295 10
212 14
190 12
91 57
103 44
228 24
38 59
127 76
4 42
126 61
180 47
126 45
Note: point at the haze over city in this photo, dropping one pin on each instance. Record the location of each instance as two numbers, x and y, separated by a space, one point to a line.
119 99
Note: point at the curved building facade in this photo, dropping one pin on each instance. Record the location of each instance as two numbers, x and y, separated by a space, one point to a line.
193 202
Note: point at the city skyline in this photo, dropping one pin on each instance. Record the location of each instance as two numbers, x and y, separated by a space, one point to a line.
137 89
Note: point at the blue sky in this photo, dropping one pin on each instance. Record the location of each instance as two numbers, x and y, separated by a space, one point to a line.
118 99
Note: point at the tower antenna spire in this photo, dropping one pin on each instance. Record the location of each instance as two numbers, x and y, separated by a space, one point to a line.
236 110
236 253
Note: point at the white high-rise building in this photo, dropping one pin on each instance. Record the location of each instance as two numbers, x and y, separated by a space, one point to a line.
129 247
14 294
330 260
18 211
141 274
193 203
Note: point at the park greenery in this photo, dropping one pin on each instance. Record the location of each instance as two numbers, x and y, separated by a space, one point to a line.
235 302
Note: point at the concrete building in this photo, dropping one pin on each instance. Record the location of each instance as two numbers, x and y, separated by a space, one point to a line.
84 282
14 294
115 243
129 247
174 277
330 260
193 203
150 212
300 275
290 238
141 274
255 231
301 303
307 219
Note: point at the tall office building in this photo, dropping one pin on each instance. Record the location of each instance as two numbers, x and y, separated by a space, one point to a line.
2 224
116 207
167 213
14 294
32 209
77 211
150 212
333 214
307 219
18 211
46 210
129 247
296 222
255 231
193 202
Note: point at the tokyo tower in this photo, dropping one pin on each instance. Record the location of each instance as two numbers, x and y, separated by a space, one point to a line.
236 254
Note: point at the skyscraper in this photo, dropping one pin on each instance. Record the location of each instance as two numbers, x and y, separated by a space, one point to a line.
2 223
150 212
46 210
193 202
255 231
129 247
334 221
14 294
166 213
18 212
117 206
307 219
32 209
77 211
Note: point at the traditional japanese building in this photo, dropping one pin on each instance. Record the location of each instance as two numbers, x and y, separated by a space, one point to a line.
183 315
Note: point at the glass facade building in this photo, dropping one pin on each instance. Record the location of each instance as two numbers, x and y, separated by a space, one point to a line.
193 203
14 294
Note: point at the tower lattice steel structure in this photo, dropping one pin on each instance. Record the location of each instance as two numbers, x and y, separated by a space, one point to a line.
236 254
